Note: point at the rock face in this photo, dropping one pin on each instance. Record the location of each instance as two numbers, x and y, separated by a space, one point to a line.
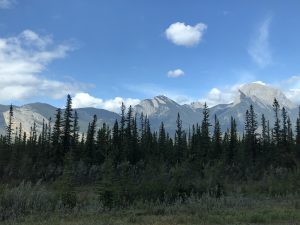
261 96
39 112
264 95
162 108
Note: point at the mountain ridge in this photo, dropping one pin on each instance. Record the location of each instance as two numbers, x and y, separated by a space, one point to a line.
163 109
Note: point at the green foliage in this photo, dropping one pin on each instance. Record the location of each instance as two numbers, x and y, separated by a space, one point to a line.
67 190
107 188
130 163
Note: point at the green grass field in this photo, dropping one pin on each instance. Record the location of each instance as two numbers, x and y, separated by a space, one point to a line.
227 210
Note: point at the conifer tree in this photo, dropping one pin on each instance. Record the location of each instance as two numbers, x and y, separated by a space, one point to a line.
90 141
56 140
162 142
264 132
205 135
276 130
9 128
290 135
297 147
102 144
75 139
108 187
75 135
179 148
116 144
67 126
298 128
130 147
216 140
122 122
68 194
284 131
233 142
250 154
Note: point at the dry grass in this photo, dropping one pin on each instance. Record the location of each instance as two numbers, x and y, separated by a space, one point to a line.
229 210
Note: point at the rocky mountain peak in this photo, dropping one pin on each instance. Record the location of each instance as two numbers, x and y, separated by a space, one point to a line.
263 94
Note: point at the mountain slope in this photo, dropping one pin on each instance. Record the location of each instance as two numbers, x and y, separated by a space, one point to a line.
261 96
39 112
162 108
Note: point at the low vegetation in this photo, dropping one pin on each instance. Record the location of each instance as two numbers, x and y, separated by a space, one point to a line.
35 204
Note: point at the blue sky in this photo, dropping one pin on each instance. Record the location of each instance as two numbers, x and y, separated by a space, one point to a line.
105 52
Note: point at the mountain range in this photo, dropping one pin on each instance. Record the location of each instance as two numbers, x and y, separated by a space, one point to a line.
162 108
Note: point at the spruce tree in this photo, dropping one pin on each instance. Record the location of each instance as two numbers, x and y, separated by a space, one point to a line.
233 142
57 153
162 142
75 139
276 130
251 148
90 142
290 135
216 140
264 132
205 135
67 126
67 190
297 147
9 127
102 144
116 144
284 130
179 148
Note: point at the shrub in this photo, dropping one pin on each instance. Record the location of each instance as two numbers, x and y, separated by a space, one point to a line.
25 199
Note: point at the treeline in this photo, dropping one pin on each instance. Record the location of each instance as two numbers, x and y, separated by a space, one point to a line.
129 161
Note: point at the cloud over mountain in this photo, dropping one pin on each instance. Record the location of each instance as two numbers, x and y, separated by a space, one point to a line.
82 100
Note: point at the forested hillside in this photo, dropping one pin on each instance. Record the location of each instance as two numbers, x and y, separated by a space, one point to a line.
128 161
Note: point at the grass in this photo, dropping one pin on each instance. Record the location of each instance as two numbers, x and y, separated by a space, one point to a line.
206 210
29 204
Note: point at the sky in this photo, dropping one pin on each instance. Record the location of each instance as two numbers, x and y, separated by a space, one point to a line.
103 52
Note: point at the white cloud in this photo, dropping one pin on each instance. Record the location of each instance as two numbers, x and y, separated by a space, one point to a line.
82 99
221 96
227 94
291 88
22 59
259 48
185 35
5 4
175 73
259 82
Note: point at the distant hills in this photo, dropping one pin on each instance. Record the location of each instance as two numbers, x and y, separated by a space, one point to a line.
162 108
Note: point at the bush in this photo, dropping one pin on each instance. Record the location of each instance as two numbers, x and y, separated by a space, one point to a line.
69 199
25 199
